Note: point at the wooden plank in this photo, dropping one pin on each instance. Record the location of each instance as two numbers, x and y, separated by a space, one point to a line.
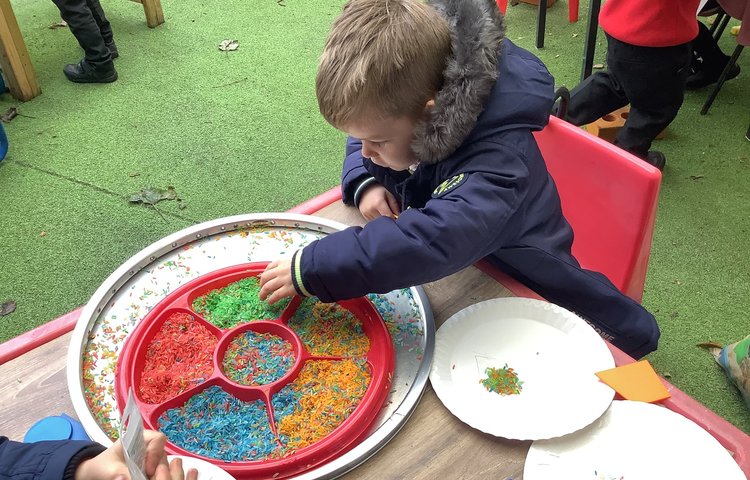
34 386
14 58
434 444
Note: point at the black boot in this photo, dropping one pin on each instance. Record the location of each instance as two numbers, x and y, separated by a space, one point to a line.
84 72
704 78
656 158
112 49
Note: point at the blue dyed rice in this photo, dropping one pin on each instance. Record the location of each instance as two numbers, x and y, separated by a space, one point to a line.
217 425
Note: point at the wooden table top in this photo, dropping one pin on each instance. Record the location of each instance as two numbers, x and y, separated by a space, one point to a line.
432 444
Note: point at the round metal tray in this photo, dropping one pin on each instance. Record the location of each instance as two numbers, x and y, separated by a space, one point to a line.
145 279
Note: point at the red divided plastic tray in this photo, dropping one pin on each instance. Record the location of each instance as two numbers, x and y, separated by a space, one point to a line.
379 358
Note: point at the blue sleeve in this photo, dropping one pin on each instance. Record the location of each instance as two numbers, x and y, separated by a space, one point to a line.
354 171
41 460
449 233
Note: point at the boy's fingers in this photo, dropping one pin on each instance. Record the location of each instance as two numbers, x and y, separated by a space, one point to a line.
162 472
266 287
175 469
192 474
279 294
155 454
369 213
393 203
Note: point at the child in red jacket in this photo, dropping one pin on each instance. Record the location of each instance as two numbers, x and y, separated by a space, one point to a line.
648 59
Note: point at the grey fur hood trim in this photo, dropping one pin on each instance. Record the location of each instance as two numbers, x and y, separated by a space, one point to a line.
477 31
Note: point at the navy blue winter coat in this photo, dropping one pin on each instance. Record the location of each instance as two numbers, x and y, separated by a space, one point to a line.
56 460
481 189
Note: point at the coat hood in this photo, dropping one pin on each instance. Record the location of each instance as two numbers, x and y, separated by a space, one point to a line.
476 95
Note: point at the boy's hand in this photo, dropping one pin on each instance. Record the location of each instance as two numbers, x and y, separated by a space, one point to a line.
377 202
276 281
110 464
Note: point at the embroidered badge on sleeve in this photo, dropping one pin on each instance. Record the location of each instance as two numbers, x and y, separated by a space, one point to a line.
449 185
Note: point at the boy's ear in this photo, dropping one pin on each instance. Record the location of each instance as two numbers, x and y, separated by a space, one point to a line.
428 106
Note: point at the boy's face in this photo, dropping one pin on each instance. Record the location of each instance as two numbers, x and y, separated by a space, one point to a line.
387 142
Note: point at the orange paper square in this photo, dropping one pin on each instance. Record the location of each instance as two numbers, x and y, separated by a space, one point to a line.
635 381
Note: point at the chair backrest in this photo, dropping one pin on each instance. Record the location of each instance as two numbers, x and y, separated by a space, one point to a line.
609 197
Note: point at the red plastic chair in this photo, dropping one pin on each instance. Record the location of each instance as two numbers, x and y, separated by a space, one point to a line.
572 9
609 197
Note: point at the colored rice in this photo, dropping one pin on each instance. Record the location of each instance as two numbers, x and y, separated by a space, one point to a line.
503 381
257 358
323 395
178 358
217 425
327 329
236 303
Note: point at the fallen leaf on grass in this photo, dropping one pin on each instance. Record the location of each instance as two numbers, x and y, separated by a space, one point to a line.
7 308
151 196
12 113
9 114
229 45
575 35
696 177
43 234
598 66
713 347
134 174
60 24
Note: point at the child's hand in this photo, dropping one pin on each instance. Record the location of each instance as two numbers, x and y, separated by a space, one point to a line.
376 202
110 464
276 281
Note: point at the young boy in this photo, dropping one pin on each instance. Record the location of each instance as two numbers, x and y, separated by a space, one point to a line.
440 109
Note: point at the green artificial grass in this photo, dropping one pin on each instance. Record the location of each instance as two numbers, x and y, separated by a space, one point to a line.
238 132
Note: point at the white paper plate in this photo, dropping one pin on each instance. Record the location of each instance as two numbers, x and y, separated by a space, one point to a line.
554 352
633 441
206 471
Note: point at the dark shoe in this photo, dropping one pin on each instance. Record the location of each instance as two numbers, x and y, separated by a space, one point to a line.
702 78
656 158
112 50
84 72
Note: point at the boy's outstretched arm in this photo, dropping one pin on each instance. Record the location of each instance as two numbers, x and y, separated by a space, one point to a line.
454 229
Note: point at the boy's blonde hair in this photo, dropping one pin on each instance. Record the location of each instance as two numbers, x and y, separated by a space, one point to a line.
383 58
